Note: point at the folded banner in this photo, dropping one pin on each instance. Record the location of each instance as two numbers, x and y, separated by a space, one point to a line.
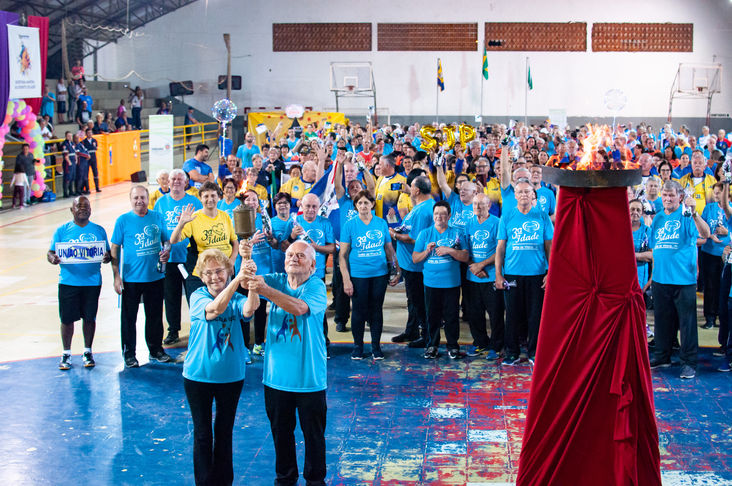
81 252
24 54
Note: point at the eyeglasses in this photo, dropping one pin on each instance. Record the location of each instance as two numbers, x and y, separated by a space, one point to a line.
210 273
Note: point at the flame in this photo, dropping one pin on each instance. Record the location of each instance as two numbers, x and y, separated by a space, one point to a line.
597 148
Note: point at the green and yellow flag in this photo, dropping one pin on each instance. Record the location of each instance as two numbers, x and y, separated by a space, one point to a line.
485 63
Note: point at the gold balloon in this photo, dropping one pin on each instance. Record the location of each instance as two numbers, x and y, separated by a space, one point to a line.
448 137
467 133
428 138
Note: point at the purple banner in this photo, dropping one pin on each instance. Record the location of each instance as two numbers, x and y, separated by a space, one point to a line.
5 19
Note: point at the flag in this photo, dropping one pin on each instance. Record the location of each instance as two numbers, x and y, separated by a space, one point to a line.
529 80
485 63
440 79
324 188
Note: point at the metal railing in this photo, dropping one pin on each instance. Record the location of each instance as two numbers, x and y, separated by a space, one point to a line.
183 137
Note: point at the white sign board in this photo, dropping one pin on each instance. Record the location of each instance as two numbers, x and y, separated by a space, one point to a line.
558 117
24 55
81 252
161 145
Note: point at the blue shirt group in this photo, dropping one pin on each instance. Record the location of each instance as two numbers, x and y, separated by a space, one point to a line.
141 239
673 241
79 274
367 257
525 235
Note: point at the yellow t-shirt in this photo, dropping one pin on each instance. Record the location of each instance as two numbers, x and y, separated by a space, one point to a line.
449 177
193 191
493 190
385 195
296 188
702 192
405 202
210 233
157 194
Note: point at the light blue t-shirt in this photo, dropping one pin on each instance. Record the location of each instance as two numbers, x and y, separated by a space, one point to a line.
419 218
367 257
483 239
245 154
545 200
321 232
79 274
508 199
141 239
441 272
346 212
216 347
673 241
714 216
525 235
657 204
295 360
278 256
171 209
202 168
460 213
641 238
228 208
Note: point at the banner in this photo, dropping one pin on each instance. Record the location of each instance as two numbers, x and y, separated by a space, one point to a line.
272 118
160 144
25 61
81 252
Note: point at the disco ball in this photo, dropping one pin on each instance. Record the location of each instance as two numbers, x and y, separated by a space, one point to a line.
615 100
224 110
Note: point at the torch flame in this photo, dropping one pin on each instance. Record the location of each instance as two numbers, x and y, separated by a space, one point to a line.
597 152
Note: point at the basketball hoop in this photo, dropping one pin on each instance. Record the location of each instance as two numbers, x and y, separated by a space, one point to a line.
350 89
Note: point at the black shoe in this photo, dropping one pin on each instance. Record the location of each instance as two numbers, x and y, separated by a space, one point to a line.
707 325
402 338
658 363
171 339
65 363
687 372
453 353
377 353
510 360
431 353
88 360
676 346
99 190
357 353
331 306
131 362
720 352
418 343
160 356
341 328
652 343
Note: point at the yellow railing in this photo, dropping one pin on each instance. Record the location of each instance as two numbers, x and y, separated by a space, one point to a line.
184 136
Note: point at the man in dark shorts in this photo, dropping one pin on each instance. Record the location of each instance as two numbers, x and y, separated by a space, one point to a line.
79 283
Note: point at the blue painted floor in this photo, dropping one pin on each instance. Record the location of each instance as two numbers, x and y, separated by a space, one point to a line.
404 420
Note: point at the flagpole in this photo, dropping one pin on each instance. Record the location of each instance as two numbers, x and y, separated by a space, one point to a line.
437 95
480 112
526 93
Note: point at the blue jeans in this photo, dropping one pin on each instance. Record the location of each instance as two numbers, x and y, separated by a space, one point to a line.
674 304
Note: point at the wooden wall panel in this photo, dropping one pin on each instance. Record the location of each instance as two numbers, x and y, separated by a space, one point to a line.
536 36
428 37
321 37
642 37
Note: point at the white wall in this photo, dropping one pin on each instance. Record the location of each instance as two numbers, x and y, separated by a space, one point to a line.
188 44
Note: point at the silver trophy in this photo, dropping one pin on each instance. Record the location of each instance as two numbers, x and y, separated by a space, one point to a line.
266 220
687 211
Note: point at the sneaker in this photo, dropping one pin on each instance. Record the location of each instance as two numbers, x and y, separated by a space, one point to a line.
431 353
531 360
258 350
657 363
247 356
724 367
161 357
676 346
687 372
341 328
327 352
377 354
491 355
65 363
707 325
720 352
171 339
402 338
131 362
453 353
418 343
475 351
510 360
88 360
357 353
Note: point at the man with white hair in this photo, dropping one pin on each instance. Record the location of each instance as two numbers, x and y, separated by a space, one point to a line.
295 373
171 206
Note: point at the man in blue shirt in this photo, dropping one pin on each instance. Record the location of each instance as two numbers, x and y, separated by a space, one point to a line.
170 206
295 373
418 219
79 283
482 232
673 241
246 150
140 234
545 199
442 248
522 257
197 168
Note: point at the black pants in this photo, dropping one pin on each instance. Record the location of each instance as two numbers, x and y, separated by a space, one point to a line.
152 295
95 171
82 176
311 409
212 452
69 179
368 304
173 293
136 122
483 297
524 303
464 289
725 282
675 305
417 314
341 300
442 306
712 274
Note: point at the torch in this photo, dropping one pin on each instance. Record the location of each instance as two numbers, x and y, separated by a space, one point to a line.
245 225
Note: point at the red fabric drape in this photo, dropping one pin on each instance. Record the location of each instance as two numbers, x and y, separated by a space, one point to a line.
41 23
590 417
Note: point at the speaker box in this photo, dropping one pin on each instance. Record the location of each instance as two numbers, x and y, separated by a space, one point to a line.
235 82
138 176
181 88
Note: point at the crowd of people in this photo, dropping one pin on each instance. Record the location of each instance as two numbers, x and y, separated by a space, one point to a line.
467 230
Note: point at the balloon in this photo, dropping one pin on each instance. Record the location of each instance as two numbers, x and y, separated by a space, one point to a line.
467 133
38 194
27 123
35 187
428 140
448 138
224 110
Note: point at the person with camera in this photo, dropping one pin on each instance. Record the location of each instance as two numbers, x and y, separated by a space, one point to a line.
387 190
